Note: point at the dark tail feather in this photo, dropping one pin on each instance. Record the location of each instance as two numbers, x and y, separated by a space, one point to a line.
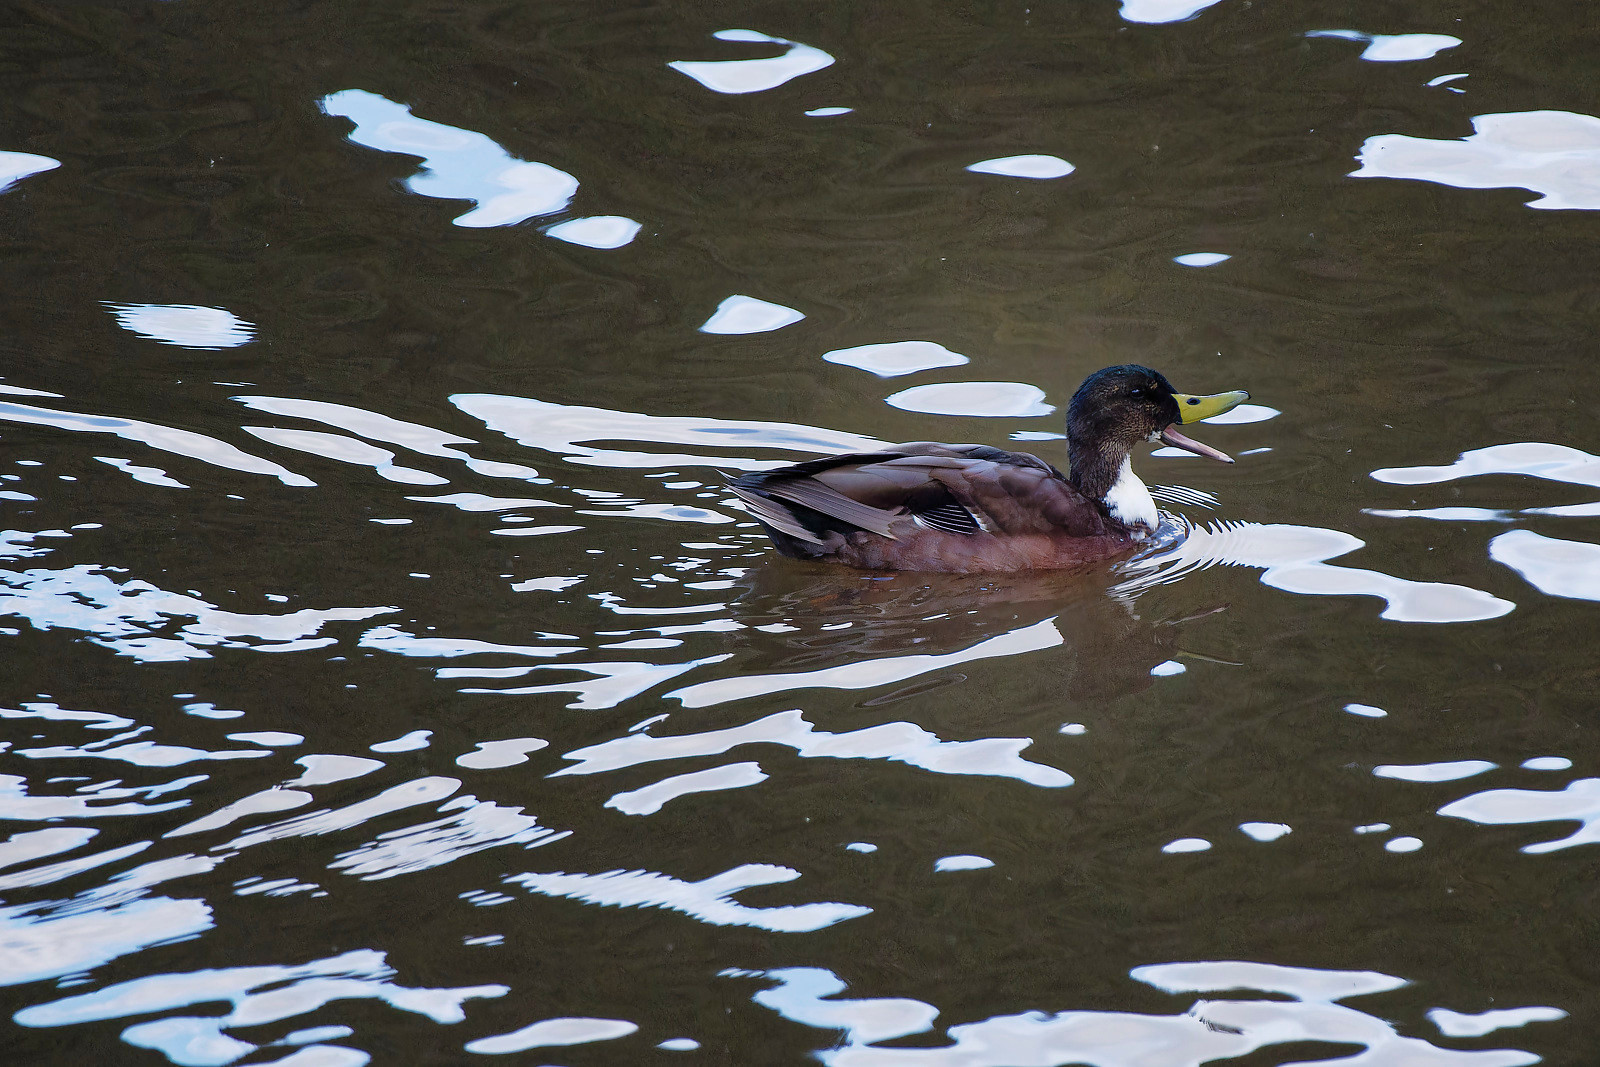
775 514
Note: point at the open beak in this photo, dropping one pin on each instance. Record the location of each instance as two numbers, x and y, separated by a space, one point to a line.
1195 408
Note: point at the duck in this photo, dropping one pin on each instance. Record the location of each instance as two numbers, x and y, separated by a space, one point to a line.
973 508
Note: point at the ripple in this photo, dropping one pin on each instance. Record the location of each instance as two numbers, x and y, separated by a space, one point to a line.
610 683
1302 983
397 798
492 755
133 618
15 166
1159 11
17 803
394 640
1186 844
652 798
596 231
868 673
1293 558
1551 565
409 742
1458 1024
1434 772
1578 802
40 942
1553 153
324 768
480 502
141 753
737 76
1394 48
1038 167
900 742
460 164
1242 415
1441 514
986 399
1182 494
1201 259
962 863
1265 831
167 438
708 900
553 1033
810 996
146 475
415 437
1303 1007
1535 459
29 845
184 325
468 826
259 996
264 802
746 314
346 450
894 358
563 429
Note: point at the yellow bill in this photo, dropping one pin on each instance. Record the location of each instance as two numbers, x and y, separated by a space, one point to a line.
1195 408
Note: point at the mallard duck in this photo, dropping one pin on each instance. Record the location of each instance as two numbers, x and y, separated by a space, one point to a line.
925 506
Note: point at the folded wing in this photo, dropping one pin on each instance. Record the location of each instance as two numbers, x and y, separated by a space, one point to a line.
969 490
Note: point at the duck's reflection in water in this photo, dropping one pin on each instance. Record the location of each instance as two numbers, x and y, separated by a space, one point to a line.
915 632
904 635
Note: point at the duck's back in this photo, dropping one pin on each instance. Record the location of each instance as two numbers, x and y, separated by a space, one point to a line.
932 507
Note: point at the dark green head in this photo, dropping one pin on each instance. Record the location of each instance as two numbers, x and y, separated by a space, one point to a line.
1116 408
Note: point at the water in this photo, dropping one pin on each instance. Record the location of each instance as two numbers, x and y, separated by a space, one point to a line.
388 678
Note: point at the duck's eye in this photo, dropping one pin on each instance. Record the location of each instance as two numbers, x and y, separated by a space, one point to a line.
1136 392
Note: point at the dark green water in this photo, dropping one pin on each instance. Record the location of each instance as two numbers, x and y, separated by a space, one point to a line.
385 676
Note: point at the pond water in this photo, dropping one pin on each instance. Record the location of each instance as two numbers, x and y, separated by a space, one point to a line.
389 678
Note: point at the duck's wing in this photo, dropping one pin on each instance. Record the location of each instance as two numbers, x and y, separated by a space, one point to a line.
960 489
855 491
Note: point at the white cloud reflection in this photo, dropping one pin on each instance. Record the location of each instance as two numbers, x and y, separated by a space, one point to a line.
15 166
891 359
1553 153
987 399
184 325
746 314
1039 167
1159 11
708 900
737 76
462 164
1301 1006
1395 47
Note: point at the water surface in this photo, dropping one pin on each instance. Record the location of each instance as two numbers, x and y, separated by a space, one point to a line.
390 678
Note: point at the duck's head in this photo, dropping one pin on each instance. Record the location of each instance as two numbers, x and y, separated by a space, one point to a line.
1116 408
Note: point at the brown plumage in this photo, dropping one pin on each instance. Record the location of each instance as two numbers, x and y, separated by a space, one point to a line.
971 508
